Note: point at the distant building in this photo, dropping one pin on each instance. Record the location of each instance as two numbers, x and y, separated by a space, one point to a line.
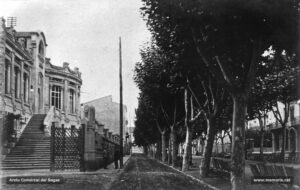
292 130
108 114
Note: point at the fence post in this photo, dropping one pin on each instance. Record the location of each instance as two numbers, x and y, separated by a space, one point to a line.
63 145
82 140
52 148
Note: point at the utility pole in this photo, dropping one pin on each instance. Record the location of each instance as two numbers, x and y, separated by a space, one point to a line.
121 105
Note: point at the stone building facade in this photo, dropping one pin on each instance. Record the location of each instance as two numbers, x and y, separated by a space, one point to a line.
62 87
290 134
30 84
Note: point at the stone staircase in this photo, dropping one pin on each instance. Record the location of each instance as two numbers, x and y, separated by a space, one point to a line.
33 149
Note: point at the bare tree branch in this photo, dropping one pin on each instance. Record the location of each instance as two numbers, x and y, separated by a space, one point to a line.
224 71
216 74
206 94
193 94
165 114
158 126
248 83
175 110
211 91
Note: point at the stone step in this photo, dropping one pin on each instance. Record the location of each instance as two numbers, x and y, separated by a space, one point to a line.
34 146
26 157
31 153
25 168
33 149
26 163
29 158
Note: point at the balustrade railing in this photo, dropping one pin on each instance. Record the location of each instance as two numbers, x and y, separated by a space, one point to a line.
52 115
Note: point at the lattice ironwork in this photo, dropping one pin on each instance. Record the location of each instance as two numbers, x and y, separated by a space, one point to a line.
67 148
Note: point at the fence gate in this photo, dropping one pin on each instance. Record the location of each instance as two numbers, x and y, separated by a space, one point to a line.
67 148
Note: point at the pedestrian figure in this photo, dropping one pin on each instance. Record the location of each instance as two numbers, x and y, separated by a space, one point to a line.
116 158
105 158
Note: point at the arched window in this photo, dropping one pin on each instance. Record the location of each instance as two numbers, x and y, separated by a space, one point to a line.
41 49
40 79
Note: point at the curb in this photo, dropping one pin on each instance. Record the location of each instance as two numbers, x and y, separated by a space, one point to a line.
199 180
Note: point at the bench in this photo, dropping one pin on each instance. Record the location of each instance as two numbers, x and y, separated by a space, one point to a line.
260 169
221 165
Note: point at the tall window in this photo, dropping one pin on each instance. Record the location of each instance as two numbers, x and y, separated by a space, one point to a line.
71 101
292 113
16 76
56 96
7 77
25 87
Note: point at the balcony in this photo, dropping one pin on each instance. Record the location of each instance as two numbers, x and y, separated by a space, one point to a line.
292 121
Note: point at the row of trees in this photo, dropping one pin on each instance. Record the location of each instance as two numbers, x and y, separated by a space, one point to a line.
210 66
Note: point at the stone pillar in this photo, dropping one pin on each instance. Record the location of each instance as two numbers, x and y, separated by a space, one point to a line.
49 93
2 76
12 75
76 100
30 91
65 99
89 139
21 87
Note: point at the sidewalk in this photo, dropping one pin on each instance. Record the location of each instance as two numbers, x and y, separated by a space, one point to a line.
110 169
222 180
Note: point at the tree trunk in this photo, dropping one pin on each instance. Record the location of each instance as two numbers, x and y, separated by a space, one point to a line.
173 146
238 141
261 148
163 146
170 151
187 148
145 150
158 151
204 167
222 144
283 143
190 153
188 137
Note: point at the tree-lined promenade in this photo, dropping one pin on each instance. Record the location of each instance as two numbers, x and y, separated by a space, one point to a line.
210 67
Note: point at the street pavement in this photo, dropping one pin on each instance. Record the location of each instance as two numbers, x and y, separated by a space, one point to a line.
98 180
139 173
144 173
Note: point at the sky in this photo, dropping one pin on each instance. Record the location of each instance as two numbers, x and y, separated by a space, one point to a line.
85 33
